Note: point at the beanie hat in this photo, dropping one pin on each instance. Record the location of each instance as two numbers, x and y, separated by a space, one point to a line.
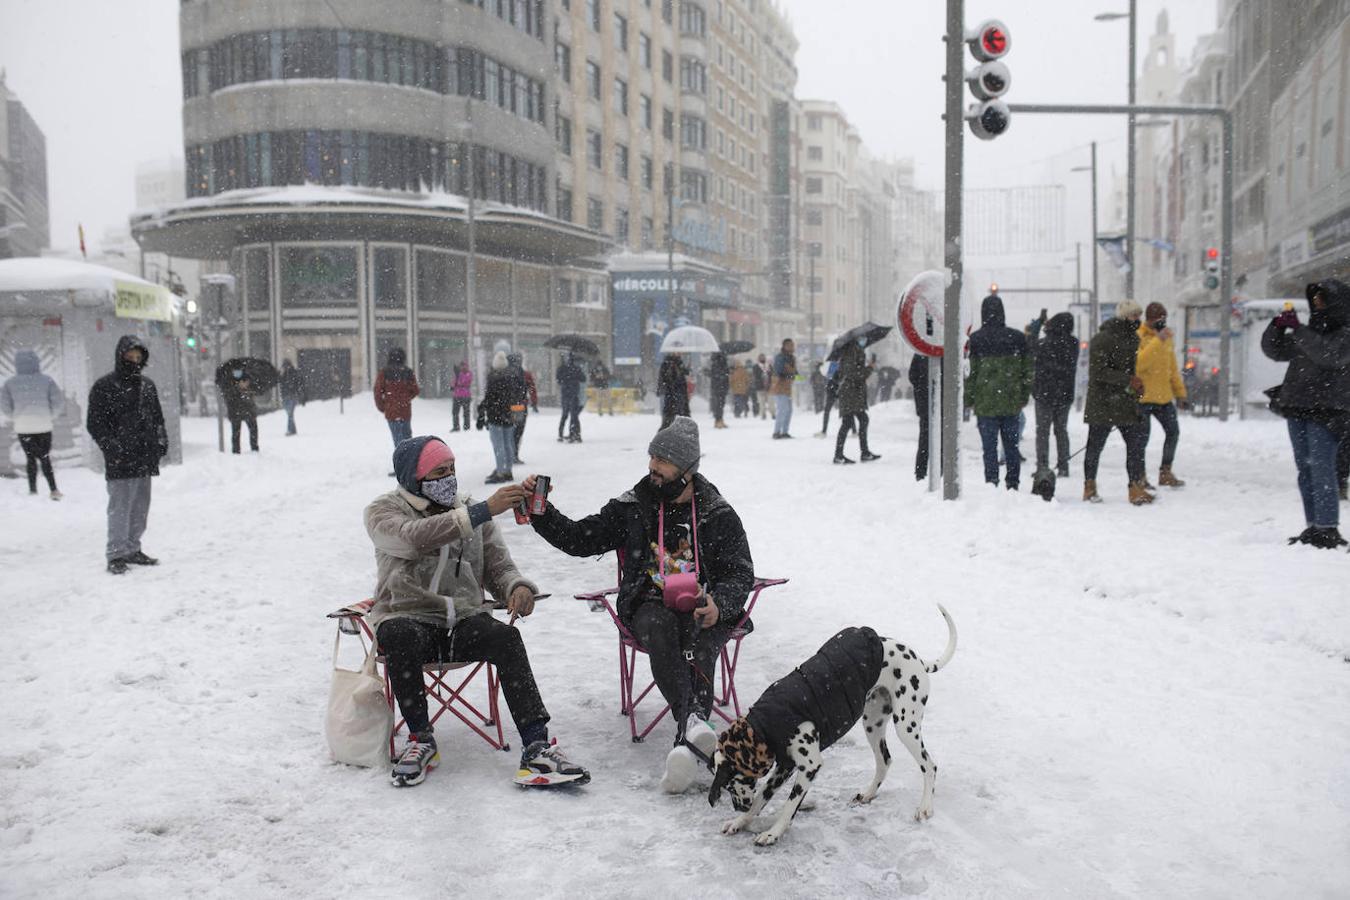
499 360
677 443
434 452
1155 311
407 457
1128 309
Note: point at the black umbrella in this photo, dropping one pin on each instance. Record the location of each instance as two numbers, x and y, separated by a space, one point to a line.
573 342
260 372
730 348
870 332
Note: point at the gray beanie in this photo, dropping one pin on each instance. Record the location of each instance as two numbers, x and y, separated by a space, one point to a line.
677 443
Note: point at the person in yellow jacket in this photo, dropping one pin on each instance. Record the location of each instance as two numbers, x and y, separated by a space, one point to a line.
1164 391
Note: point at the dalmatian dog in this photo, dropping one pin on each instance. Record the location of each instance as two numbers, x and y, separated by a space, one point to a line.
857 674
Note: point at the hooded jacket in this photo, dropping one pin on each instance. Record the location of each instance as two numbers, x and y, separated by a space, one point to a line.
30 399
1112 355
463 384
395 388
505 389
1318 378
628 524
1157 367
432 563
852 376
571 379
1000 366
829 690
125 419
292 385
1056 362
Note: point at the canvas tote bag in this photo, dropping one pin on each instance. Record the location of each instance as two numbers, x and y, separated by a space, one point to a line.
359 718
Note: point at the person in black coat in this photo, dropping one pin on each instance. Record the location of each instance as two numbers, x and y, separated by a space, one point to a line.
672 383
505 390
918 380
719 382
293 392
126 422
240 407
571 386
1052 389
672 491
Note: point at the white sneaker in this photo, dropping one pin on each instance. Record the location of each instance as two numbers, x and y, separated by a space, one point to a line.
681 769
701 734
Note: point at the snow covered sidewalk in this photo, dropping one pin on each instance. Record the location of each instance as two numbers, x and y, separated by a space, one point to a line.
1144 702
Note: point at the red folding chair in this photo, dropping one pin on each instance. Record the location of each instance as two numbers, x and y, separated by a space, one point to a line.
443 694
724 685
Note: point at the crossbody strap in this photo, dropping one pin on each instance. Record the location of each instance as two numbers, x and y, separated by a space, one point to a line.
661 532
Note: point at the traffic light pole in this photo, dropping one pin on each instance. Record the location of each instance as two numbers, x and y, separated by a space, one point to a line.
1225 202
951 253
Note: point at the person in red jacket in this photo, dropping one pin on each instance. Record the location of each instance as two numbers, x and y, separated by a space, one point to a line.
395 387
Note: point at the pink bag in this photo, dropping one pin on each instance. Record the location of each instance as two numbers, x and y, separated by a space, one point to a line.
679 591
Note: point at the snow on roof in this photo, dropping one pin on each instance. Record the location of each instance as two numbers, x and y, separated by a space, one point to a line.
40 273
317 193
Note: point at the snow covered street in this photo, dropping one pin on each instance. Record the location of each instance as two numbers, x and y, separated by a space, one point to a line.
1144 702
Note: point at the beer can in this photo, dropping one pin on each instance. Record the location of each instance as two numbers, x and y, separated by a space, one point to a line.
539 500
522 511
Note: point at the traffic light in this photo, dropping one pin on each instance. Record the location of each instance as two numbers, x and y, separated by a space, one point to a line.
989 80
1212 268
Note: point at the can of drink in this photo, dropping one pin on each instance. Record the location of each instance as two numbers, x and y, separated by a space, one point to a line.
539 500
522 511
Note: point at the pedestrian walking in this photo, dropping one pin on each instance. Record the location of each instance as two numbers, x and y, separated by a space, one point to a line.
918 380
1113 401
853 374
1314 399
672 384
600 380
997 389
461 396
1164 391
831 395
504 390
739 381
126 422
395 388
1052 390
33 403
719 382
571 385
292 393
817 388
529 400
240 407
784 374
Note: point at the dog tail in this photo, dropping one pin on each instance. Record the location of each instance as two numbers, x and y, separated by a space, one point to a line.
951 643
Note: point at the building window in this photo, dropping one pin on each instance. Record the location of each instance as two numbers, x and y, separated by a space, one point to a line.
594 149
390 278
562 56
645 111
595 214
318 276
668 11
593 14
648 233
621 33
621 96
693 185
693 20
621 161
667 123
644 50
564 130
693 75
815 154
621 225
564 204
813 186
667 66
813 123
593 79
645 171
693 132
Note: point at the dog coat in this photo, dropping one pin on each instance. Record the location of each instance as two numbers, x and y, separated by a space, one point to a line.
829 690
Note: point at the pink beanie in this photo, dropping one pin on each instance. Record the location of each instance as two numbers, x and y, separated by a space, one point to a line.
433 454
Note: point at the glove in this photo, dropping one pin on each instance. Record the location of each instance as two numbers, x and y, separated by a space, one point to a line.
1286 320
1137 384
1183 404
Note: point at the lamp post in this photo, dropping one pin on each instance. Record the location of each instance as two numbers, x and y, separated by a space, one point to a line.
1130 147
471 264
1094 303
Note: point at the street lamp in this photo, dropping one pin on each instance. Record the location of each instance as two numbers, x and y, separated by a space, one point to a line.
1130 167
471 265
1094 303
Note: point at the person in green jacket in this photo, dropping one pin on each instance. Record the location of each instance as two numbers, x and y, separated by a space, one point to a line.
1113 401
998 387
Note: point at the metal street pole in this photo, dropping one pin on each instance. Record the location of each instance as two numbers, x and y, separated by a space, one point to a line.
812 251
1132 166
220 395
471 265
951 254
1095 309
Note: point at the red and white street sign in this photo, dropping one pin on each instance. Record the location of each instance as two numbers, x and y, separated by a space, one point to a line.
923 297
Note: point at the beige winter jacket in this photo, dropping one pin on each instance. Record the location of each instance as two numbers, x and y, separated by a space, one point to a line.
424 560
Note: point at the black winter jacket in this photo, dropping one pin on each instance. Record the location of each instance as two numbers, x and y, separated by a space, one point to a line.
504 389
1317 382
1056 362
828 690
125 419
628 524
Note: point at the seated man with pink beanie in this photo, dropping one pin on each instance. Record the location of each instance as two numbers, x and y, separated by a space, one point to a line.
436 553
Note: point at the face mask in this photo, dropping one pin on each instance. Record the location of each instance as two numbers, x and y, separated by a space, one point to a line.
862 342
238 373
442 491
1160 325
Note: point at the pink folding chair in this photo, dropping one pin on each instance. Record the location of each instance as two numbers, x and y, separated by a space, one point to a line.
724 685
443 693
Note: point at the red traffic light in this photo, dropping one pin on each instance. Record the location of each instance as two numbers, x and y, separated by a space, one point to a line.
991 40
994 40
1212 253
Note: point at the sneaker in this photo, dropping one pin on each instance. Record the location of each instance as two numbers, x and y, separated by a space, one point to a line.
419 757
542 763
57 495
681 770
518 461
700 732
117 567
842 460
140 559
497 478
869 457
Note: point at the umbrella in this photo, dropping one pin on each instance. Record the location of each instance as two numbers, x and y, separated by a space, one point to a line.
259 371
573 342
870 332
690 339
730 348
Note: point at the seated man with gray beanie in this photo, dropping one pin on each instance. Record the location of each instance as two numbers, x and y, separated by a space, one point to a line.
701 533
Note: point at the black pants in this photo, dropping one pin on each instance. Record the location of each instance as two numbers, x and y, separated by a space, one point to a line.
235 423
830 397
740 405
460 404
571 409
667 634
921 454
1136 439
1166 414
1342 462
408 645
36 450
1052 415
848 422
717 402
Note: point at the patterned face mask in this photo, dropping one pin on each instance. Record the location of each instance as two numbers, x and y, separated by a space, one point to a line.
442 491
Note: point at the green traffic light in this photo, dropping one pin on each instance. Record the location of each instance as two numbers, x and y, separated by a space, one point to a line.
1212 282
192 342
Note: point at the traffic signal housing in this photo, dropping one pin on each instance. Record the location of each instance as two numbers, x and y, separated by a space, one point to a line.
989 80
1211 262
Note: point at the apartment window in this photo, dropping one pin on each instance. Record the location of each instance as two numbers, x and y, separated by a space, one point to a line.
621 33
814 186
621 161
667 66
595 214
593 14
668 11
564 196
621 225
693 75
593 79
693 20
813 123
621 96
562 58
594 149
815 154
693 185
644 50
813 217
648 233
693 132
645 171
667 123
645 111
563 127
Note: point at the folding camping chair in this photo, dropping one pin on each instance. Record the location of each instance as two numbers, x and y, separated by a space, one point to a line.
724 684
443 695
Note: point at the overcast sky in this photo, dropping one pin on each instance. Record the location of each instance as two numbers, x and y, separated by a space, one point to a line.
102 80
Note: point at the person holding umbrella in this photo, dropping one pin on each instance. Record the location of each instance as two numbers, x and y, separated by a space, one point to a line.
853 374
672 383
238 390
571 382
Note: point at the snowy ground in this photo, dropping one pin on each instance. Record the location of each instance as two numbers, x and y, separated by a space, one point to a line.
1145 702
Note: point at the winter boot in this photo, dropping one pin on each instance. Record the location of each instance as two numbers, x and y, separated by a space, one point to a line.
842 460
417 759
543 763
140 559
117 567
869 456
1326 539
1090 494
1139 495
1303 537
1167 479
